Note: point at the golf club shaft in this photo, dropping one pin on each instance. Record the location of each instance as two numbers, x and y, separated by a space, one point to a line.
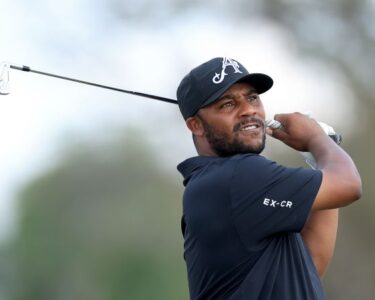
28 69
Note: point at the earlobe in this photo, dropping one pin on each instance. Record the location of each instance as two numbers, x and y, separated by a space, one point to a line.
195 126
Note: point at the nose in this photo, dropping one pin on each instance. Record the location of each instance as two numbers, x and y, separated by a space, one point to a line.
247 109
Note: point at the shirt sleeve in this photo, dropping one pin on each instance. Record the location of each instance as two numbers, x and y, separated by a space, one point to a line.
267 198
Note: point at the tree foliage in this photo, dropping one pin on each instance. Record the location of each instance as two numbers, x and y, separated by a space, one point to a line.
103 224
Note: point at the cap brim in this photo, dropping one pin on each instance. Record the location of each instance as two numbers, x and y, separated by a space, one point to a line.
261 82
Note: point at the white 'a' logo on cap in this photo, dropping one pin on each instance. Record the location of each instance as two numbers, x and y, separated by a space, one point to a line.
219 77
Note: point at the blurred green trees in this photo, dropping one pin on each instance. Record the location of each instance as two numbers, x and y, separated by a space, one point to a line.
102 224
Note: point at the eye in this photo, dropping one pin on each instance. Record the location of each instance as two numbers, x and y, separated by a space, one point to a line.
253 97
227 104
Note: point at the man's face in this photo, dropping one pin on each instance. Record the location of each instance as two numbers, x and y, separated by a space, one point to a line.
235 122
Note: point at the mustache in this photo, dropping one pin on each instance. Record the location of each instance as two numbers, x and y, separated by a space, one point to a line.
246 121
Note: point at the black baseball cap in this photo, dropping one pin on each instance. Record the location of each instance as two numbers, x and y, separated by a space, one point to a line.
207 82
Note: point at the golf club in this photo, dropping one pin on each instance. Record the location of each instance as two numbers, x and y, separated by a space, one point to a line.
5 90
4 82
4 79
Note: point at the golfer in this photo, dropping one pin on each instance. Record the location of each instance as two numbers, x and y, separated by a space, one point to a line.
255 229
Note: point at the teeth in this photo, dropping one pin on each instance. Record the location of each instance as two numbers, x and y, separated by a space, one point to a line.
250 127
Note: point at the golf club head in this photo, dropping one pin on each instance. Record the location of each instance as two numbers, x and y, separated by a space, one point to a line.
4 78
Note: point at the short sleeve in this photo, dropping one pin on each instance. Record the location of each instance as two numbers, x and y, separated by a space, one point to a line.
268 198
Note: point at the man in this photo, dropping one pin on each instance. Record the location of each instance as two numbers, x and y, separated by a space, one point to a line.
254 229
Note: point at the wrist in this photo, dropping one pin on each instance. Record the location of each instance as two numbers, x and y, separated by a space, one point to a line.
320 143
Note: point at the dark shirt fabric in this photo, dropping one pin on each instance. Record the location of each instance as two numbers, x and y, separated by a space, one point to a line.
242 217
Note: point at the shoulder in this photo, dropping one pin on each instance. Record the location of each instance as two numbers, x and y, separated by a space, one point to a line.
259 170
254 164
251 158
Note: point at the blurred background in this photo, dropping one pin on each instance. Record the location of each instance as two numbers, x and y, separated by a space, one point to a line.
90 198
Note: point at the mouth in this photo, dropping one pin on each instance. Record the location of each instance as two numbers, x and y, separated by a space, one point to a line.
250 127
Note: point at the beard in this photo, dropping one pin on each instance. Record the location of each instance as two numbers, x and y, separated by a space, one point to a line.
223 145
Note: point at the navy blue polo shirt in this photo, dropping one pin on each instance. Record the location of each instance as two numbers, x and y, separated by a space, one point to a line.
241 221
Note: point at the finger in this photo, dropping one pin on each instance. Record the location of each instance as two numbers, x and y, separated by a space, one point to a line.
281 117
280 134
269 131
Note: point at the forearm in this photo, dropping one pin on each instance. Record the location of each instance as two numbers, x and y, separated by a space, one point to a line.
328 155
332 158
319 235
341 181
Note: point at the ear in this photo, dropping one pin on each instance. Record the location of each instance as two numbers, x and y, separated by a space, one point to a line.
195 125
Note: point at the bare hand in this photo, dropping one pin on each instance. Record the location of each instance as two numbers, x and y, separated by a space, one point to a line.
299 131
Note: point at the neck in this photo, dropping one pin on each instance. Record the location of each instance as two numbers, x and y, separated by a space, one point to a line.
204 148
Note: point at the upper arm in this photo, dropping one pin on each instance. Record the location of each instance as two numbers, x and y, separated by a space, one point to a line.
337 189
319 235
267 198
